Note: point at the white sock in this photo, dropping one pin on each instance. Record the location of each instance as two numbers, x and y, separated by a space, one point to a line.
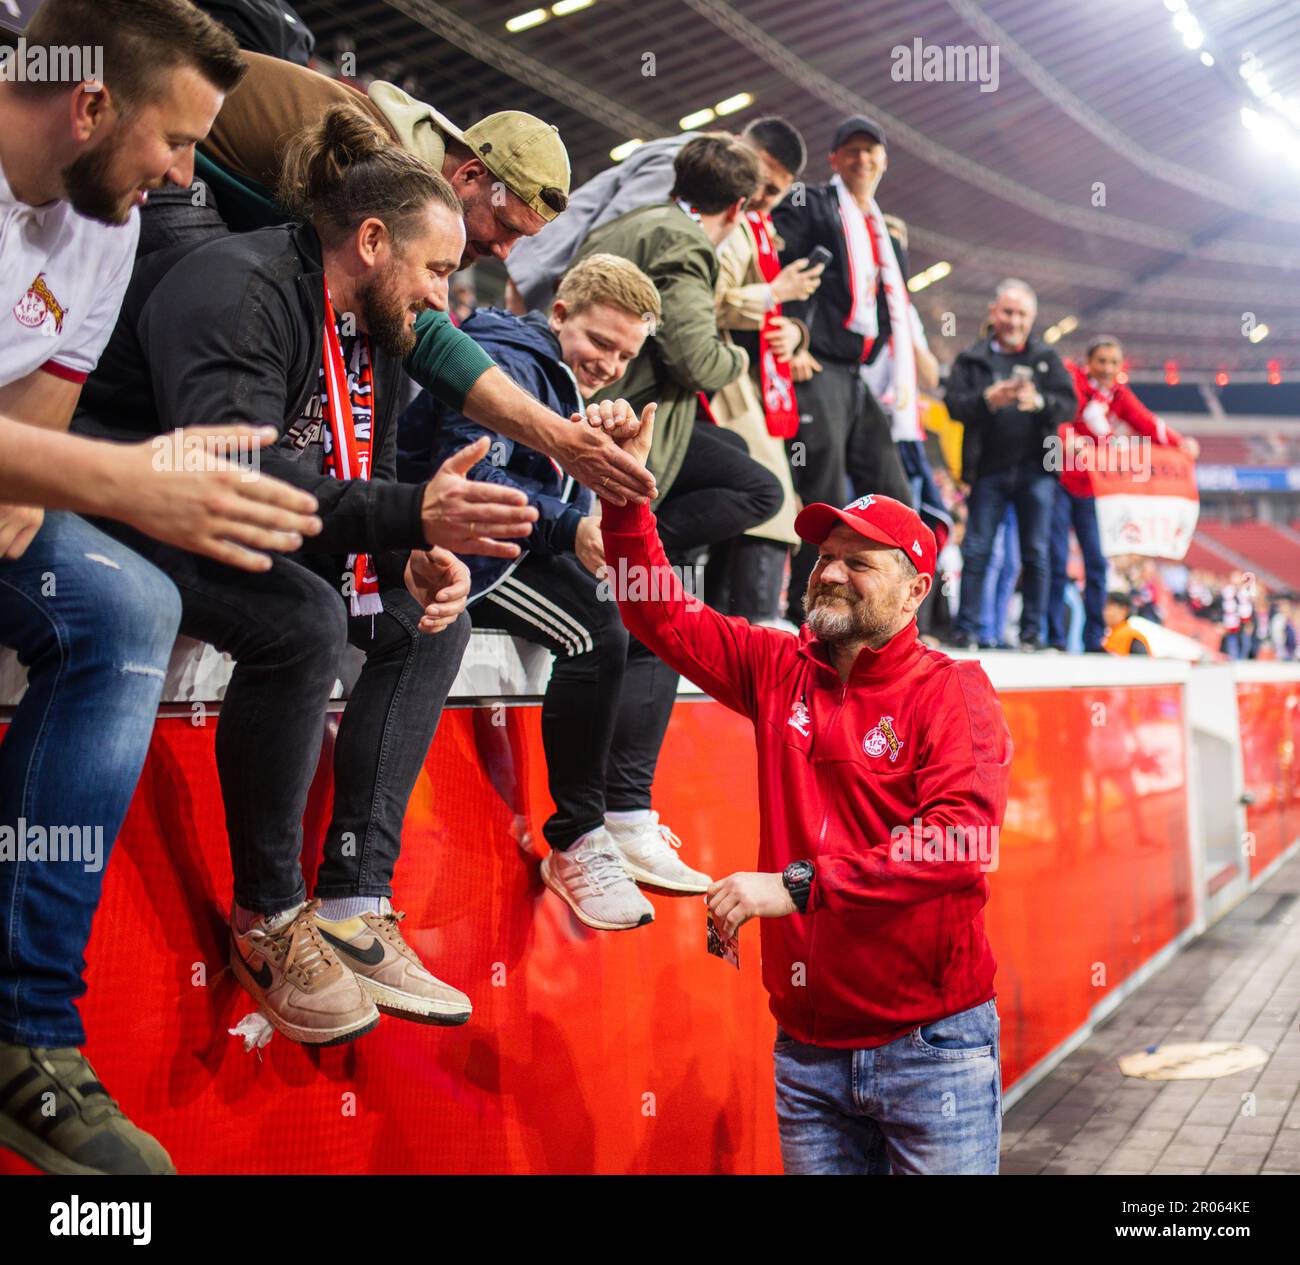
637 817
337 908
245 918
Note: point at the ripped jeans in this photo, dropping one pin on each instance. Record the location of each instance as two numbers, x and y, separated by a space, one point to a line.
93 624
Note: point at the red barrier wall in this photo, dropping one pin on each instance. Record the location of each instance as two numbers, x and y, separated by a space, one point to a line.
591 1052
1095 874
1269 713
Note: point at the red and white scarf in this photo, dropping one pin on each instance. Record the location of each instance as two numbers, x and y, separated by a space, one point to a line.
343 406
872 261
774 376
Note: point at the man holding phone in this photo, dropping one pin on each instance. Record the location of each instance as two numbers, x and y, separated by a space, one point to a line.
1010 391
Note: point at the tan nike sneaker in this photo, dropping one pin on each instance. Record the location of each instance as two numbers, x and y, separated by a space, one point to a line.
390 972
298 981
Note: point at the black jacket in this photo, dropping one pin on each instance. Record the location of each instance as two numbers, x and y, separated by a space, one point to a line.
273 27
232 331
1008 438
817 223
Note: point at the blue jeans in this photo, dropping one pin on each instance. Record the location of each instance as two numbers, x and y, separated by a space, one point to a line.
1033 492
94 624
1079 513
928 1102
1000 579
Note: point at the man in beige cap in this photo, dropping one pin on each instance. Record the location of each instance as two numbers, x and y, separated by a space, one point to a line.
510 170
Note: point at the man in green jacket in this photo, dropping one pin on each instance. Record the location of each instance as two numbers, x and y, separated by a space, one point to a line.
675 244
710 488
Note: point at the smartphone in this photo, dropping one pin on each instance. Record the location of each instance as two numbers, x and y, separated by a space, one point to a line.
818 255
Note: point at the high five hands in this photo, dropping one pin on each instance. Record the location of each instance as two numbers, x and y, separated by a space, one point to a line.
619 420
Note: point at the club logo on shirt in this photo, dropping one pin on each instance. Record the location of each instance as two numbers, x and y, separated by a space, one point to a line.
883 738
800 718
39 309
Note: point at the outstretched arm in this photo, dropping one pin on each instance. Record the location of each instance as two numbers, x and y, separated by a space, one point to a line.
461 375
224 512
717 653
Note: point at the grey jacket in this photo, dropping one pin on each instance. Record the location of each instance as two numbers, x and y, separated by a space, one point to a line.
536 264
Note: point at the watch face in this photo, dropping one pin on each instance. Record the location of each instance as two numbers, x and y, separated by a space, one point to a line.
799 871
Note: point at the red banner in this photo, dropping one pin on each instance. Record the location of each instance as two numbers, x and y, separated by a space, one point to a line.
1147 501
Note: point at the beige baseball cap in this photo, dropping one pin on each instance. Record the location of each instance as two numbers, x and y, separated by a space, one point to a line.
522 151
419 127
527 156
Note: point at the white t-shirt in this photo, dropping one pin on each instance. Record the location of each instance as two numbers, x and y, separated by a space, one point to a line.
62 281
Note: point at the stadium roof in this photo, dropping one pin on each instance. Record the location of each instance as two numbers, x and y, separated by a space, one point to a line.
1201 218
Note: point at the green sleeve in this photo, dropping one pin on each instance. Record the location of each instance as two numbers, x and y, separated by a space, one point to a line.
446 360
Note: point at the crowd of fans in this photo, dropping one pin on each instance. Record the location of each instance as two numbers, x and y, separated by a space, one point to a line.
1250 621
310 271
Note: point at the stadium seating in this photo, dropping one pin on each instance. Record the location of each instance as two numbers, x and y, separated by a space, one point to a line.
1270 550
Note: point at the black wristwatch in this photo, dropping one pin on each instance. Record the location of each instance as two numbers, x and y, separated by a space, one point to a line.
798 877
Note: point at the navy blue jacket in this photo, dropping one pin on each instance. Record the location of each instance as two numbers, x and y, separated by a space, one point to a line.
428 432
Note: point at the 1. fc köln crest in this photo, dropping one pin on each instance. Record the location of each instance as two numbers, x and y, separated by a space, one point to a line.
38 309
883 738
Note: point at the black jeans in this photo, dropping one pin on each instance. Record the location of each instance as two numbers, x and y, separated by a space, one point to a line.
720 492
843 442
554 602
286 629
744 578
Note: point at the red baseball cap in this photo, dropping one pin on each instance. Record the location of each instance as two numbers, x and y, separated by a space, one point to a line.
878 518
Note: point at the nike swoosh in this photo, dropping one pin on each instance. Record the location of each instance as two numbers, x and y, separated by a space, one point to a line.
367 957
262 977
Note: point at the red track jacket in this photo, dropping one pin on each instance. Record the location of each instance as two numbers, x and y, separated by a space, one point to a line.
894 933
1120 405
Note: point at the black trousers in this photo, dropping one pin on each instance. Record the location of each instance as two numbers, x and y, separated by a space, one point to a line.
170 217
720 492
843 445
555 602
286 629
744 578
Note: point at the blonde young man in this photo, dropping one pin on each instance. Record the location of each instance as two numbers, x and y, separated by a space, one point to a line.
604 311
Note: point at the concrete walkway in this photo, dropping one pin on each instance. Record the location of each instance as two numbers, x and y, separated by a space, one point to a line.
1240 981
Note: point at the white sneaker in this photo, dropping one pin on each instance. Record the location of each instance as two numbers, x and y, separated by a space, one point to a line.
648 852
593 881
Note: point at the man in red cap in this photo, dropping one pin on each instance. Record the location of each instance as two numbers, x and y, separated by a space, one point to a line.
883 773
